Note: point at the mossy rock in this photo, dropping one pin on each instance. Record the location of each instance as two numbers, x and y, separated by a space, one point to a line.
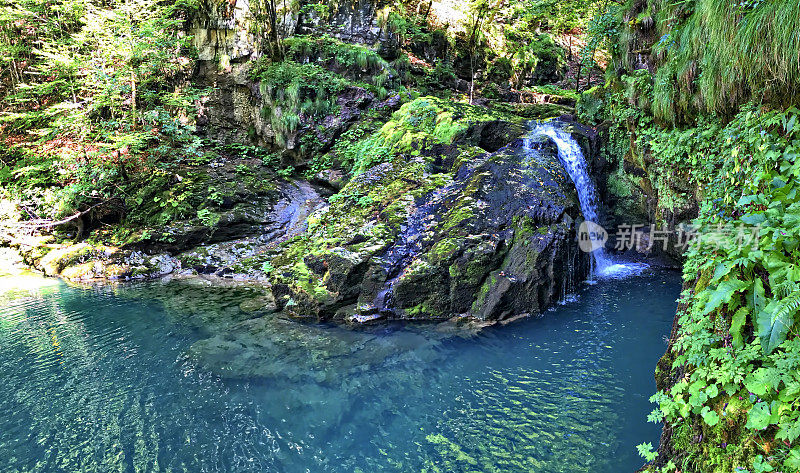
403 241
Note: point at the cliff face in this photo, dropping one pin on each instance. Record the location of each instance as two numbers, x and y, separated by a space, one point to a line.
226 36
226 31
372 47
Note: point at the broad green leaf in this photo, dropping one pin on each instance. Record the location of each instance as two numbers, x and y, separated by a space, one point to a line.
723 293
762 381
685 410
754 219
722 270
759 416
760 465
710 417
646 451
737 323
774 261
697 396
746 199
792 216
790 124
757 298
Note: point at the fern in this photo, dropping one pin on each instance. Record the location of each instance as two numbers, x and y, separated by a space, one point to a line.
787 307
738 322
775 321
785 289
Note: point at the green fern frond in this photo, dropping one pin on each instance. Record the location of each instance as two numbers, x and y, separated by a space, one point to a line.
785 289
787 307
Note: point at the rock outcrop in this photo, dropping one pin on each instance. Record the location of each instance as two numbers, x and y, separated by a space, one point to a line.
445 212
234 109
468 232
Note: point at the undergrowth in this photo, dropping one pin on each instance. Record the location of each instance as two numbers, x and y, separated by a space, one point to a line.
736 405
715 55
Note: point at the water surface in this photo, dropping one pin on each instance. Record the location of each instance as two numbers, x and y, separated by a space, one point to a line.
176 378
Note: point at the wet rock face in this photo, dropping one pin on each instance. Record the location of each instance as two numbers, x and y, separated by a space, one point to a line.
354 21
232 113
493 244
496 241
244 236
233 246
224 30
223 35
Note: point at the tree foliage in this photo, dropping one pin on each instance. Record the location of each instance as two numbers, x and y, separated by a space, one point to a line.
97 90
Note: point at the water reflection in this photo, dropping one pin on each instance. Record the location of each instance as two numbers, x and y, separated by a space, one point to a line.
176 377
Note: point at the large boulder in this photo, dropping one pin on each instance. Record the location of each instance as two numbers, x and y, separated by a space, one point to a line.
442 227
493 244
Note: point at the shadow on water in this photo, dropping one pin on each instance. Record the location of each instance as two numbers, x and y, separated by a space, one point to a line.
113 378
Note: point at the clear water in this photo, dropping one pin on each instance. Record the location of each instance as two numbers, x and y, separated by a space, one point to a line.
98 380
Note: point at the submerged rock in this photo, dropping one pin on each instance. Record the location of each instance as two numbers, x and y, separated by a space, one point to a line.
264 304
278 348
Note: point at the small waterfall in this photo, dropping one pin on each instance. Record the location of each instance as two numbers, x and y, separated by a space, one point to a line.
571 157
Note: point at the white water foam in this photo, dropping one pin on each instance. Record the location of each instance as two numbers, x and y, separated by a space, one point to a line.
571 157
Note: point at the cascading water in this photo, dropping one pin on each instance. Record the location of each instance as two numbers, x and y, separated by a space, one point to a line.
571 157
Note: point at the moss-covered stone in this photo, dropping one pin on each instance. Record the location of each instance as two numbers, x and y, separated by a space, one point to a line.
414 232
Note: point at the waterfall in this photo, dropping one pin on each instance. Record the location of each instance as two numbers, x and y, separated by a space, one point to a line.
571 157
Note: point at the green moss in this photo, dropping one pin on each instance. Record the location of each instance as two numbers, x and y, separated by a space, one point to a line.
723 448
484 291
712 57
443 249
459 214
682 434
531 111
418 124
467 154
140 271
424 310
471 272
619 185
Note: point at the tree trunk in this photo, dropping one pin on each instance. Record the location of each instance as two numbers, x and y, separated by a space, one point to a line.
428 10
133 98
473 49
471 77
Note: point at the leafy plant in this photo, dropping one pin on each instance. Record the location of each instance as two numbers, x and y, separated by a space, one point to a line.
286 172
646 451
207 217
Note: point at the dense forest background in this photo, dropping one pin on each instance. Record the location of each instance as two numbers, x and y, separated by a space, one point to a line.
118 119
